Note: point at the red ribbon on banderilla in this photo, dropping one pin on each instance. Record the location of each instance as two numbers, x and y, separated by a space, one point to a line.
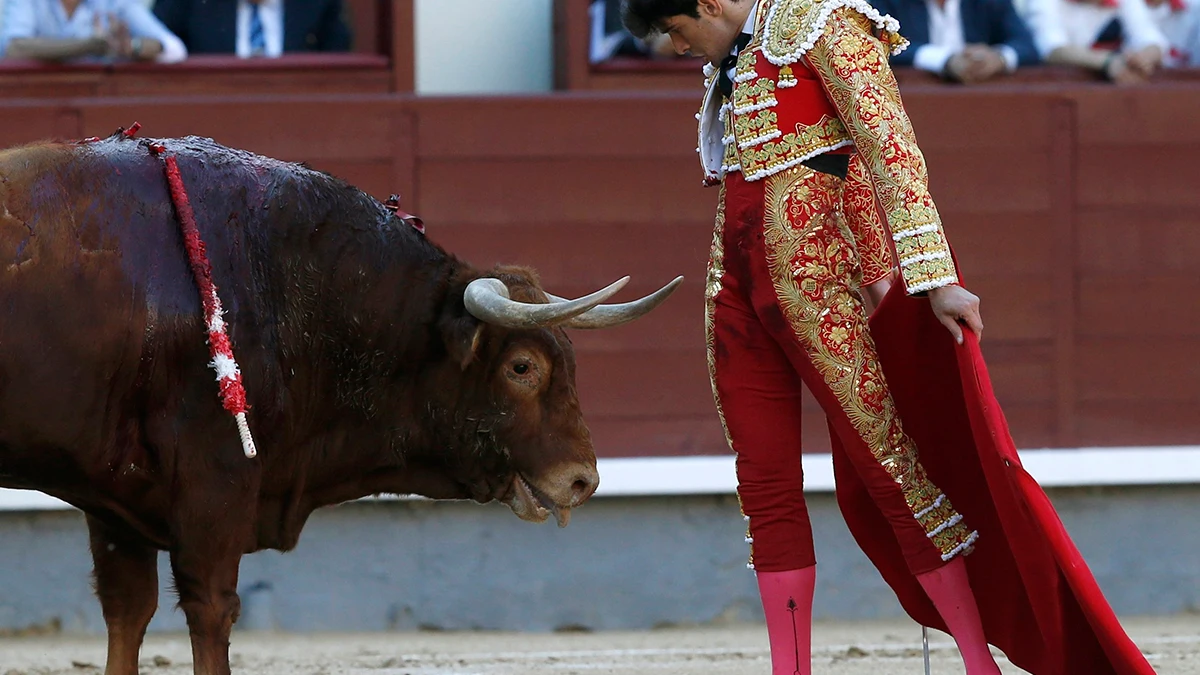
229 376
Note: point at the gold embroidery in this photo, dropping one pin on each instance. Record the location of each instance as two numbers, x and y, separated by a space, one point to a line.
864 221
793 26
811 255
853 66
753 93
712 286
762 159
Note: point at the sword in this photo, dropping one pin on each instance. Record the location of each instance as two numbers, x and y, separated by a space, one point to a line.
925 647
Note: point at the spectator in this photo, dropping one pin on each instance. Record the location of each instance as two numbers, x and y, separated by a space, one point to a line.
963 40
609 37
1117 38
65 30
257 27
1179 21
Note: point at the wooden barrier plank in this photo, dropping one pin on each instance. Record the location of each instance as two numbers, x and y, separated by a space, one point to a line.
1138 423
651 383
32 121
1140 306
620 437
616 436
49 83
582 255
163 81
1145 238
992 119
1115 175
1137 117
576 126
373 176
564 191
667 380
1140 369
1001 180
1004 244
346 129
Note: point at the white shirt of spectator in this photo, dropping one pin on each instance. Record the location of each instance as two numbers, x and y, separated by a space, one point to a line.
1182 30
946 38
271 13
1058 23
48 18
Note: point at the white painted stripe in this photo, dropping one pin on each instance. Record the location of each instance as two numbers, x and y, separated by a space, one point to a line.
714 475
1058 467
28 500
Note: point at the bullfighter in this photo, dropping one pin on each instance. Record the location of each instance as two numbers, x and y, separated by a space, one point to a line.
803 128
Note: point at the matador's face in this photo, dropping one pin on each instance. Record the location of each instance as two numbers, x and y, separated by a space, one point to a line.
711 34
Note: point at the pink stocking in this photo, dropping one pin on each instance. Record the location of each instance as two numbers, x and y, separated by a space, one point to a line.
950 591
787 601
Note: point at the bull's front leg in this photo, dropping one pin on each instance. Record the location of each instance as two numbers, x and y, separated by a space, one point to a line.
212 529
126 572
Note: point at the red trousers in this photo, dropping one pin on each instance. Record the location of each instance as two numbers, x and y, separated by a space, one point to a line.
783 308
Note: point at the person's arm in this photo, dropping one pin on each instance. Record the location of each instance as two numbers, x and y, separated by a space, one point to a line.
19 39
866 224
55 49
1139 28
1017 45
153 40
852 64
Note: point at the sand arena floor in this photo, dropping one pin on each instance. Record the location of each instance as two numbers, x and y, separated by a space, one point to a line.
868 648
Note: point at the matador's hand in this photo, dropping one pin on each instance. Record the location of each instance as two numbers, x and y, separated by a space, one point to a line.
952 304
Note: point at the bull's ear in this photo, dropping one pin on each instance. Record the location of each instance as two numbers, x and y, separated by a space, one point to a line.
463 337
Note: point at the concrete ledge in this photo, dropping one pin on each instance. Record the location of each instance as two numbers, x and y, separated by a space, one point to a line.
714 475
624 563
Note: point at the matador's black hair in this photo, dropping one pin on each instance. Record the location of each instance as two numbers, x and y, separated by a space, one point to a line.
642 17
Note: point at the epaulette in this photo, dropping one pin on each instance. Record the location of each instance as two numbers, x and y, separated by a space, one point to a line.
793 26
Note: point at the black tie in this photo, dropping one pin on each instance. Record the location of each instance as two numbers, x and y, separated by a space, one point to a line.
727 63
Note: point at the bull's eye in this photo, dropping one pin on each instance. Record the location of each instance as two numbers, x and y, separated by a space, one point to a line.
521 368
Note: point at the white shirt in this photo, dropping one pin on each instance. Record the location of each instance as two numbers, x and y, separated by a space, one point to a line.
747 29
711 146
946 39
1182 30
1059 23
271 13
48 18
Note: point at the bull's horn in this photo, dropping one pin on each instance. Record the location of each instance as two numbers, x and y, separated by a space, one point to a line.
487 299
607 316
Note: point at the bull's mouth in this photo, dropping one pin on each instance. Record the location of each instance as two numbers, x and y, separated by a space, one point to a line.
530 504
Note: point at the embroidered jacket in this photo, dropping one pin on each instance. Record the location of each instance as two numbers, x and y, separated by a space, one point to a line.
815 79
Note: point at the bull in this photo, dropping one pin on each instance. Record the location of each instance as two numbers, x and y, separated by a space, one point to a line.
374 361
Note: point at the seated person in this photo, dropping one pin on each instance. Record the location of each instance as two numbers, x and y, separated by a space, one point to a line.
1179 21
1117 38
64 30
257 27
609 38
963 40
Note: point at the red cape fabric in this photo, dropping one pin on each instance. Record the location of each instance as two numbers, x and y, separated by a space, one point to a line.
1038 599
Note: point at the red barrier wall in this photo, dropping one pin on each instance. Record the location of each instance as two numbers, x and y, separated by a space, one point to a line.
1072 207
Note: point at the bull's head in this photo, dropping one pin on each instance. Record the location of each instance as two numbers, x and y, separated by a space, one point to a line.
516 411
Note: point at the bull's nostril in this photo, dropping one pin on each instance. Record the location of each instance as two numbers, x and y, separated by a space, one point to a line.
582 489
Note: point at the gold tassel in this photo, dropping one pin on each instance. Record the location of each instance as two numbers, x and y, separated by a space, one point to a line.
786 77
